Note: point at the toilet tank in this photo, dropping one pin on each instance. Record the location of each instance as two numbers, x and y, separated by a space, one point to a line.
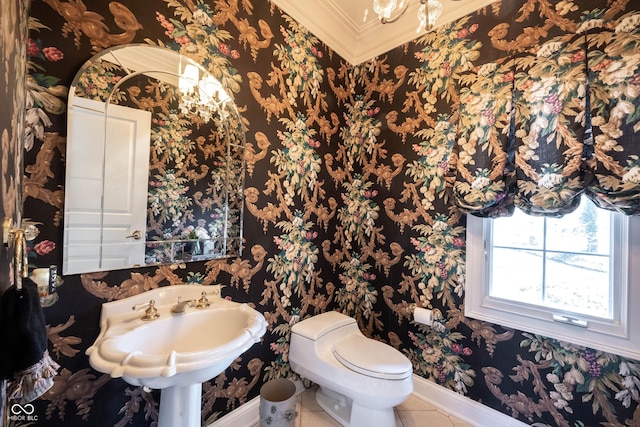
315 327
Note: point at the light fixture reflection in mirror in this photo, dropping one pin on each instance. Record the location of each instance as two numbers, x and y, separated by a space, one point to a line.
193 143
200 96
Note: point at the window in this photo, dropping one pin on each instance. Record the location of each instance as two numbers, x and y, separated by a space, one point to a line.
575 278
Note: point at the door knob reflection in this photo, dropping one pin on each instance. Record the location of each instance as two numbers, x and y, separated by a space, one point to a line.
136 235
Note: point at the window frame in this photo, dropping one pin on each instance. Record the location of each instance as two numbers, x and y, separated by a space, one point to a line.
619 336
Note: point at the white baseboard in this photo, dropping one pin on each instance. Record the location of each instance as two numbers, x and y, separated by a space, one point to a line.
463 408
248 414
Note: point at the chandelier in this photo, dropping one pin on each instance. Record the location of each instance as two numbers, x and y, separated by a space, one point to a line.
428 12
200 96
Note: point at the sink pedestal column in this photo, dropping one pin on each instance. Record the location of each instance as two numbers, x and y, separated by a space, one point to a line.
180 406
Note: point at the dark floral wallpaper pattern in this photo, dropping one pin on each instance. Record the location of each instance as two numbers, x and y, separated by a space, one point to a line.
13 95
347 204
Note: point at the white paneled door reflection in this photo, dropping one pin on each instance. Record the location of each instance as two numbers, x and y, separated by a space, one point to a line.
110 204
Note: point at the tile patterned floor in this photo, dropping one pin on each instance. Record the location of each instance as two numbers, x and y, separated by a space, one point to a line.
414 412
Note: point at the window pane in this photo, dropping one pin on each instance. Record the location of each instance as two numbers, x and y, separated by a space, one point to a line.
587 229
516 275
615 333
578 283
519 231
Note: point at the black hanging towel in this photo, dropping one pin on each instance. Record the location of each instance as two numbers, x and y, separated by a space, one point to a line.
24 360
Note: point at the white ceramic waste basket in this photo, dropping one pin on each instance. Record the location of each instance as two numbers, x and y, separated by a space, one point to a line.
278 403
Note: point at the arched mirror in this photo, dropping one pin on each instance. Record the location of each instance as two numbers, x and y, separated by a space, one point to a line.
155 163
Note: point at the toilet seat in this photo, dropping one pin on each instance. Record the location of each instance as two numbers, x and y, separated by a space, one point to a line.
372 358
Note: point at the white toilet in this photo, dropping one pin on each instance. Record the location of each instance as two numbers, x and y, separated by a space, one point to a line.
360 379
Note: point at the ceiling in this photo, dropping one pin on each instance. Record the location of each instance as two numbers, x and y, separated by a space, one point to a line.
352 29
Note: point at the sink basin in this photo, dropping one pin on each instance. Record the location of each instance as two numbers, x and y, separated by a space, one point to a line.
176 351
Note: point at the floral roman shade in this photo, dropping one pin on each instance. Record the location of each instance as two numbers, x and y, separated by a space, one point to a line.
550 90
538 130
614 76
484 149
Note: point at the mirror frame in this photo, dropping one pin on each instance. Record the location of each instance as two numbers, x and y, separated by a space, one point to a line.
154 62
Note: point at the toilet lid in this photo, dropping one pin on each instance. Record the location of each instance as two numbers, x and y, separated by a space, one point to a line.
372 358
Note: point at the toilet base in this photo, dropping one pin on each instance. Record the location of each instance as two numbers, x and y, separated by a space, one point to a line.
351 414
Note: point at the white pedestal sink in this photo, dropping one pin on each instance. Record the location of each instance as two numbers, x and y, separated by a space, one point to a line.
175 352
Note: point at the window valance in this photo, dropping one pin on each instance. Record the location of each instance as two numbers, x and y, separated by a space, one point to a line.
537 131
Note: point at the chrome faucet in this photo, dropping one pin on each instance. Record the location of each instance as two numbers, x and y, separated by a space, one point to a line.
181 306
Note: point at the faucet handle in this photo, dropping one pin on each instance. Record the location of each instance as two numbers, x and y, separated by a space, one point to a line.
151 313
203 302
217 290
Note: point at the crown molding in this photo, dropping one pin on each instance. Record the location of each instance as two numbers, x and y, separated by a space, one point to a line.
354 31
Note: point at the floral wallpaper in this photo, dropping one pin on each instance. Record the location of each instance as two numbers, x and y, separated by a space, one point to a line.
13 95
349 202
